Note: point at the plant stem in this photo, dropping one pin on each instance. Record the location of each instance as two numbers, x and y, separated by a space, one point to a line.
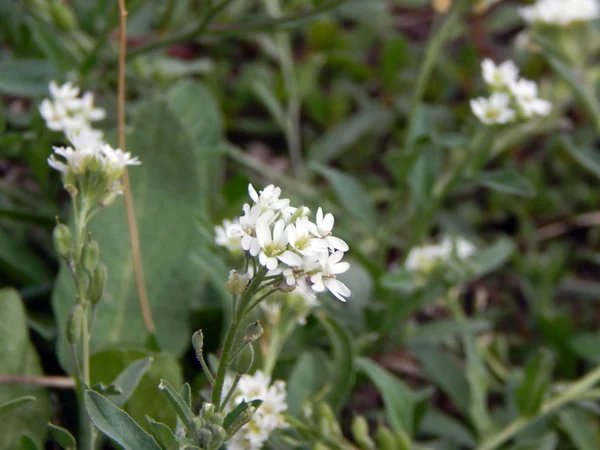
572 394
430 59
134 238
224 361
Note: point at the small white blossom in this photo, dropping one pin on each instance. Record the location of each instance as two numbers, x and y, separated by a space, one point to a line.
245 228
267 418
561 12
268 198
66 111
499 76
223 239
427 258
526 95
322 229
495 110
330 266
301 239
274 245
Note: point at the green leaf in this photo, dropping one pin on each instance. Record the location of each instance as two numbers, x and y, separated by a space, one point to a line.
128 380
399 400
19 263
239 409
18 357
343 136
492 257
351 194
423 176
399 280
186 394
445 371
178 404
342 377
163 434
271 102
303 381
11 405
536 381
587 158
439 424
581 428
146 399
62 437
507 181
116 424
168 190
586 346
26 77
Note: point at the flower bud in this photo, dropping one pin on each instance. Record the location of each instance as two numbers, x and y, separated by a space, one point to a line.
327 421
63 242
218 419
245 360
74 323
208 410
253 332
385 439
403 441
360 431
108 198
237 283
98 283
90 256
198 344
62 16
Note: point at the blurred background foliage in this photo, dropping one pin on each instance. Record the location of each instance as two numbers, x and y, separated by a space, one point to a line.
359 106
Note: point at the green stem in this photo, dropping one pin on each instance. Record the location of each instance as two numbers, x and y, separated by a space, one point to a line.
232 332
237 379
273 351
429 61
573 394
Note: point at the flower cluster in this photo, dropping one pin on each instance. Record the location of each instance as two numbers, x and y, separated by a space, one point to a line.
90 165
561 12
67 111
267 418
427 258
283 239
512 97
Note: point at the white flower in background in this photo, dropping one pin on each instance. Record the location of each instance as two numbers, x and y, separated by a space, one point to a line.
223 239
273 245
323 228
330 266
427 258
66 111
495 110
561 12
499 76
526 95
283 239
267 418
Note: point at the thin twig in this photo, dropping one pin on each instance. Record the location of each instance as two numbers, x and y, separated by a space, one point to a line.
553 230
131 222
48 381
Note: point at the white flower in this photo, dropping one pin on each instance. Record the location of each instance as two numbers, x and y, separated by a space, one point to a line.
526 95
274 245
501 75
245 229
267 418
223 239
330 266
268 198
301 239
323 228
66 111
493 110
428 257
561 12
115 160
